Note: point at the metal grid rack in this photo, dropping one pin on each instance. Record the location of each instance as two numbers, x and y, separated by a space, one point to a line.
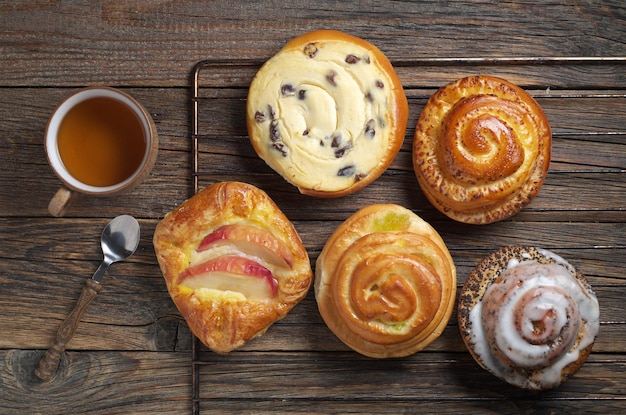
211 78
200 100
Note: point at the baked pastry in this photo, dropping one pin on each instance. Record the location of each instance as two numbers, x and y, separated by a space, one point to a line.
482 149
385 283
233 263
528 317
327 112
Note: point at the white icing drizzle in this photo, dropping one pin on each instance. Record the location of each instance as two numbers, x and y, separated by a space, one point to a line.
528 365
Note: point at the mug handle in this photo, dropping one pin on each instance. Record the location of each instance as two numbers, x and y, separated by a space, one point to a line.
61 201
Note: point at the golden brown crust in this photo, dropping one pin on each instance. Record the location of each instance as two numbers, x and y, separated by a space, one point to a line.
392 122
224 321
385 282
490 271
482 149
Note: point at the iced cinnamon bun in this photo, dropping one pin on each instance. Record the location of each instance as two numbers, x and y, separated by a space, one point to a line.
527 316
327 112
233 263
482 149
385 282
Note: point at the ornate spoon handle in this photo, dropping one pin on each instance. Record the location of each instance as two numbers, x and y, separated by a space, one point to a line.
49 362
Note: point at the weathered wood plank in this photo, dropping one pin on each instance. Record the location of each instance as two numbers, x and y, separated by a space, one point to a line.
79 247
335 376
340 382
222 118
97 383
124 44
134 311
170 178
422 405
112 324
432 71
567 192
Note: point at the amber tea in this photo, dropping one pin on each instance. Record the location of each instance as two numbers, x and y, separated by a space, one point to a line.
101 142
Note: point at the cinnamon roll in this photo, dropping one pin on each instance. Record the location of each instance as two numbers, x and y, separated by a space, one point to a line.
482 149
385 282
232 262
527 316
327 112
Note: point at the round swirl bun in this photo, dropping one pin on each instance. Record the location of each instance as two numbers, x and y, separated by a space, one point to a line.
327 112
385 282
482 149
528 317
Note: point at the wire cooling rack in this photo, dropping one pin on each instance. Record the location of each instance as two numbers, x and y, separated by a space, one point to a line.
219 76
218 81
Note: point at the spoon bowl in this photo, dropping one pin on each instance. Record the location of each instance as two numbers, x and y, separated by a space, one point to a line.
119 241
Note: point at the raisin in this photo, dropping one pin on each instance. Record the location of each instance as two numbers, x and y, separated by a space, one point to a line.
274 132
369 96
380 84
359 176
336 140
347 171
352 59
301 94
271 112
287 90
370 130
306 132
259 116
340 152
330 77
310 50
281 148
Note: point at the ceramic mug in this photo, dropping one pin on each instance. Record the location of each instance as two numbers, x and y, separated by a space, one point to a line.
99 141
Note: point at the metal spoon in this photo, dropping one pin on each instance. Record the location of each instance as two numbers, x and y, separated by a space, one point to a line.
119 241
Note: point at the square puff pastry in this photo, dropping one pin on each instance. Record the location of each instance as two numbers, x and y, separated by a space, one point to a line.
233 263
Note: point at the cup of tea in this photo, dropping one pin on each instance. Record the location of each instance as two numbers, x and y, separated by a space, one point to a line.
99 141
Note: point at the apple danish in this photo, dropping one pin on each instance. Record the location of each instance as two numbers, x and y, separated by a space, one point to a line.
528 317
232 262
482 149
327 112
385 282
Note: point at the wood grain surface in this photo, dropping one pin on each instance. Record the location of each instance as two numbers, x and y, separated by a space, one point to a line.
132 352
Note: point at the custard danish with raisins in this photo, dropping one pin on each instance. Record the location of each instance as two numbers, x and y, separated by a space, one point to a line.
327 112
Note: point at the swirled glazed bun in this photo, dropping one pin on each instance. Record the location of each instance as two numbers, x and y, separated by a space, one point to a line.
528 317
385 282
327 112
233 263
482 149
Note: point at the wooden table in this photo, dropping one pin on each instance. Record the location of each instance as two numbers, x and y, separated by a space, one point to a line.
132 352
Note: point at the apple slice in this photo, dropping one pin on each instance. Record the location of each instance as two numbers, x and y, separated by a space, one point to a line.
232 273
251 241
